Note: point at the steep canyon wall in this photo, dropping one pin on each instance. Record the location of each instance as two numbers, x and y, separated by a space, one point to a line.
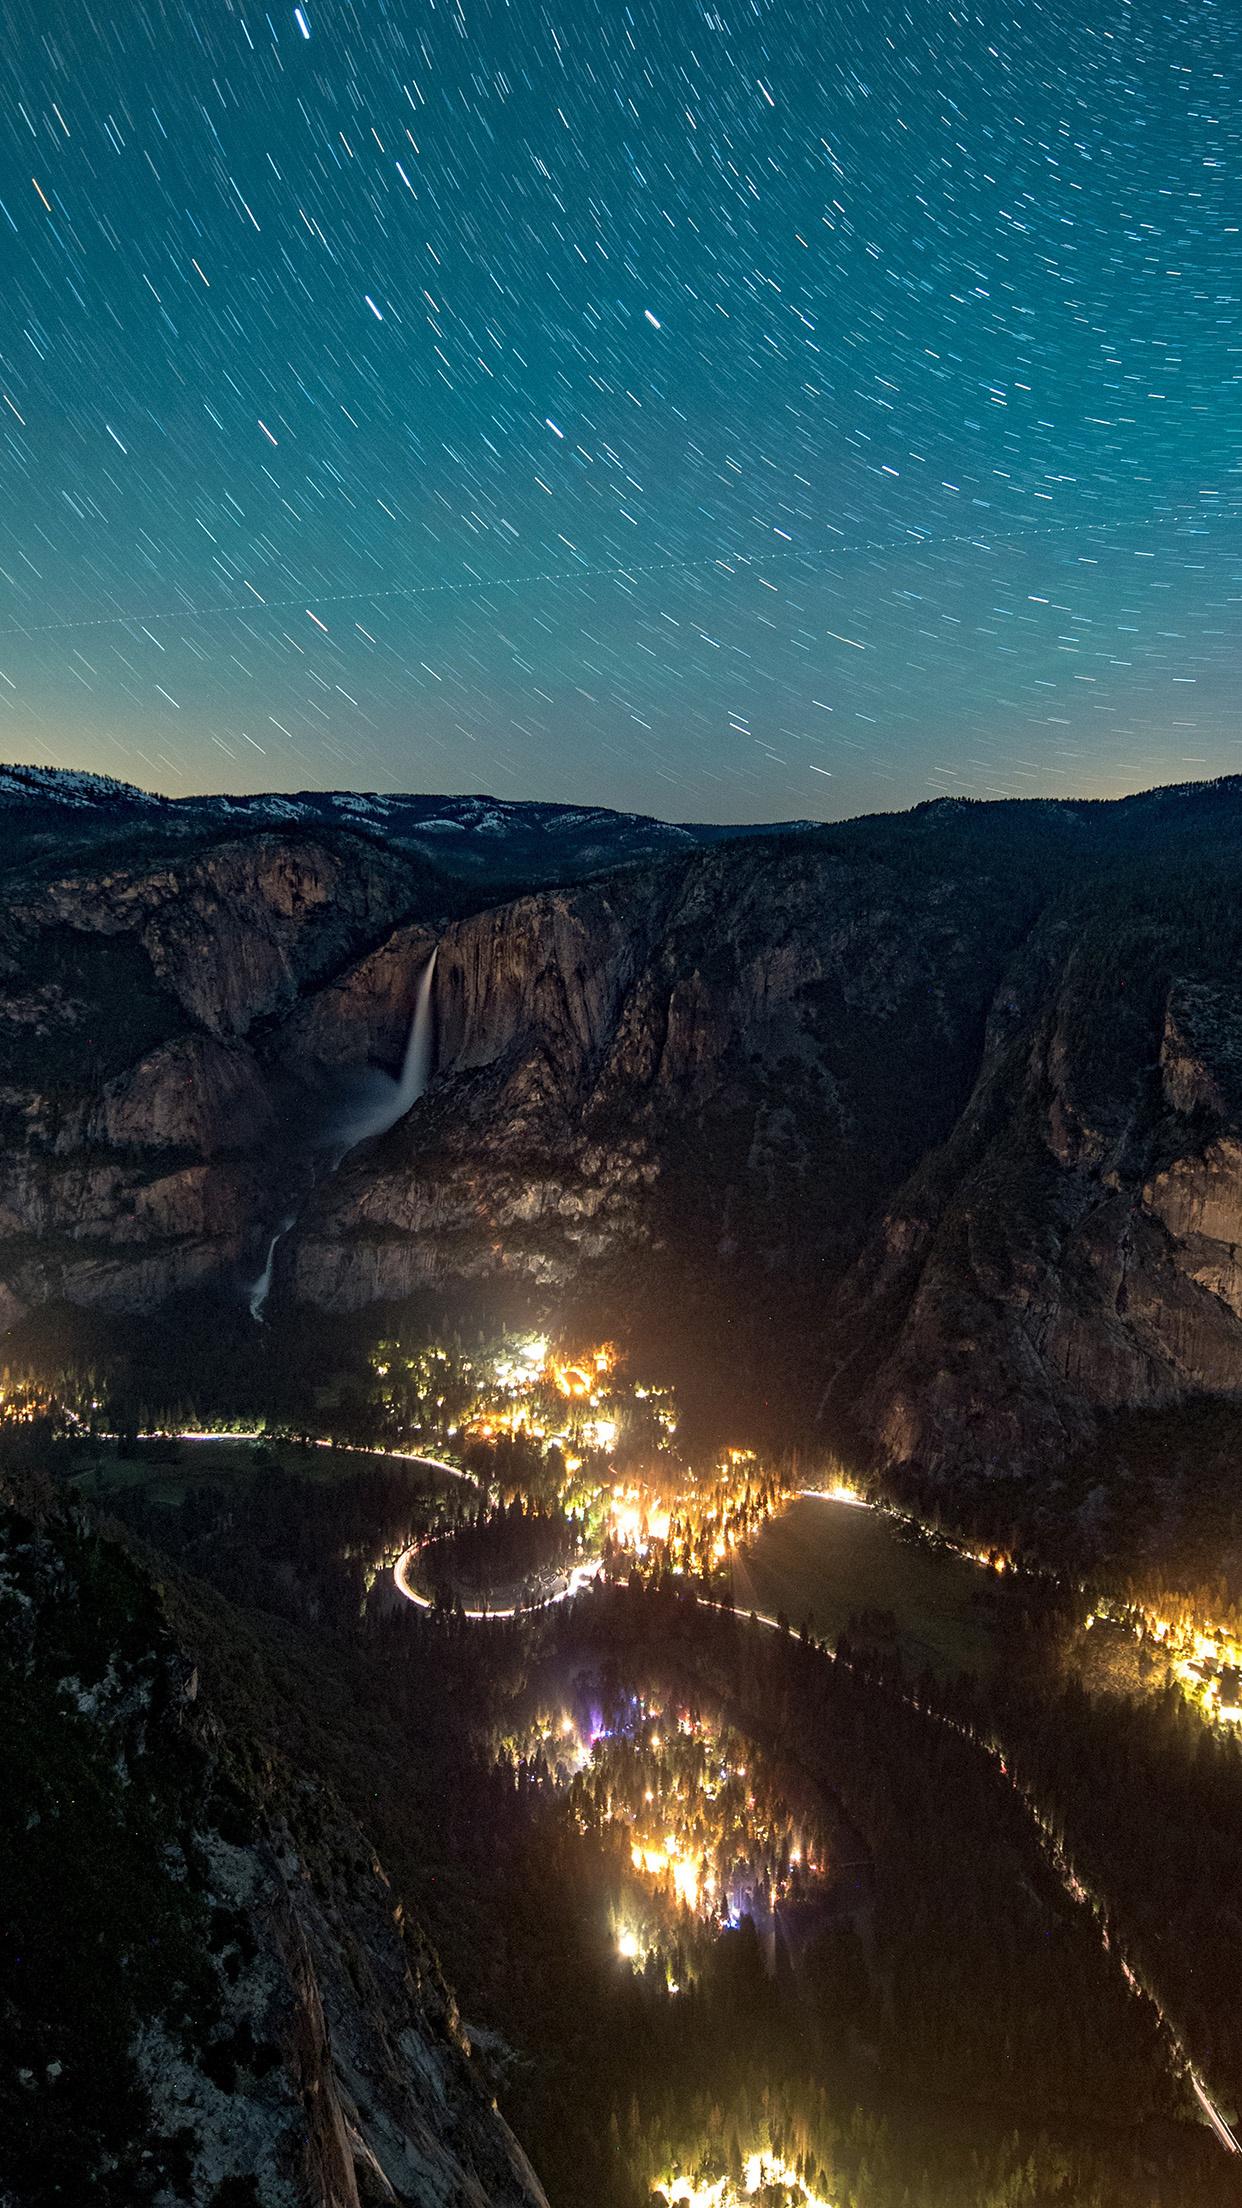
926 1118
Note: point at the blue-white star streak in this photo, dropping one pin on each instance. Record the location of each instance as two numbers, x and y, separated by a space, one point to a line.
734 412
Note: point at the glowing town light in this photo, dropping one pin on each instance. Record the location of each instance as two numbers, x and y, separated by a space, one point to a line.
686 1882
534 1353
652 1860
759 2172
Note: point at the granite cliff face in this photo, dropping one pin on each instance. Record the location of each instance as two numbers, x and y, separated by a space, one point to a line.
1074 1248
135 1109
206 1997
704 1073
170 1040
934 1121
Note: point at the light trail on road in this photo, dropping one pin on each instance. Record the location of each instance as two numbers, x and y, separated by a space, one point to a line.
581 1577
1223 2132
261 1433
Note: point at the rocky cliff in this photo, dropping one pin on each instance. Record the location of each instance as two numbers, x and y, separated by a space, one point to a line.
699 1078
134 1108
929 1122
208 1992
1073 1249
170 1037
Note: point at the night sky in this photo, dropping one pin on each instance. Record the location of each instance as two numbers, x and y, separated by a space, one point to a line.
744 413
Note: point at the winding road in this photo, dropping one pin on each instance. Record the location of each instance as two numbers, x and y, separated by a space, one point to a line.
585 1575
581 1577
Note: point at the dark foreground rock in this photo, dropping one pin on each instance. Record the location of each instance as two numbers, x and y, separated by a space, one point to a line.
204 1998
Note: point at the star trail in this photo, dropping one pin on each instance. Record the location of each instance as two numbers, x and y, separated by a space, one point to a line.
732 412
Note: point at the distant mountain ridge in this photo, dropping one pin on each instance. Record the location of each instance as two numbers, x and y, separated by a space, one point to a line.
475 838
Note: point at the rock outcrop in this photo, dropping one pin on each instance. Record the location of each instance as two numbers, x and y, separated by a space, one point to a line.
135 1111
708 1069
1074 1249
233 935
201 1999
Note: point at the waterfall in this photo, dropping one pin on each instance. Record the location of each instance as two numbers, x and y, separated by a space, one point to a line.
263 1285
377 1103
416 1066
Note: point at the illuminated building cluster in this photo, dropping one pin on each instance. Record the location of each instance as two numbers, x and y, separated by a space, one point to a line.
569 1407
691 1523
764 2178
569 1410
708 1829
23 1400
1205 1660
564 1429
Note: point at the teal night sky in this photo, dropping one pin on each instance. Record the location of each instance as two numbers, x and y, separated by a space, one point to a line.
738 413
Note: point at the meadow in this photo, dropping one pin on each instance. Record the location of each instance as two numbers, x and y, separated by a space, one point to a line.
831 1561
167 1469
